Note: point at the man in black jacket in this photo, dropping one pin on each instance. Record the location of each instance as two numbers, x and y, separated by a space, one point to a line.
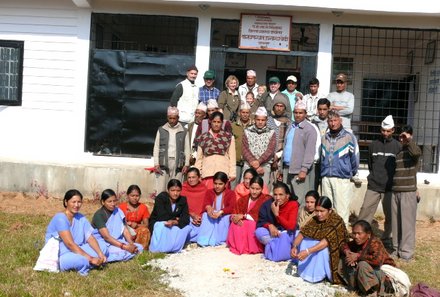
382 166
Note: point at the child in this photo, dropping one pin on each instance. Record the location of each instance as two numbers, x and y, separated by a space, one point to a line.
307 212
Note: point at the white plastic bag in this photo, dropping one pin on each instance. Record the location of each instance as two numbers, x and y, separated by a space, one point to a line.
399 279
49 259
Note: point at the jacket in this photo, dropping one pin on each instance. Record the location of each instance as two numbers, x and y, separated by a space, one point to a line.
304 147
162 211
339 155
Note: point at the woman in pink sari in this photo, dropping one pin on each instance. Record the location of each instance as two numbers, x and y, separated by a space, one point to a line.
241 236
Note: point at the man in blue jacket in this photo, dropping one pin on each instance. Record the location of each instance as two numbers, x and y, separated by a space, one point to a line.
339 162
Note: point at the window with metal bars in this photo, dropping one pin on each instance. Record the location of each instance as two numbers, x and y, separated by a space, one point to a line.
11 72
147 33
392 71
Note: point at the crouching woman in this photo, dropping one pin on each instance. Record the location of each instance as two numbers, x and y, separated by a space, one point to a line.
362 260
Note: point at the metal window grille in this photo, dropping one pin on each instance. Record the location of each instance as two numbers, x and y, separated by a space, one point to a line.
11 72
147 33
392 71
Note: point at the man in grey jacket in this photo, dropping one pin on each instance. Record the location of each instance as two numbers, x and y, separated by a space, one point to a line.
299 153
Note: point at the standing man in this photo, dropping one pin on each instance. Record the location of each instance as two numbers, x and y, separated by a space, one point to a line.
339 162
312 98
208 91
249 86
186 96
321 119
244 121
171 150
290 91
299 153
382 166
404 200
268 98
342 101
258 147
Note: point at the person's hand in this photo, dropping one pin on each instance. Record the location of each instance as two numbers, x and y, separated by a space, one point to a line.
232 178
279 176
169 223
236 219
255 164
158 170
95 261
274 232
184 169
301 177
275 208
302 255
196 220
294 252
351 258
103 258
260 170
133 225
131 248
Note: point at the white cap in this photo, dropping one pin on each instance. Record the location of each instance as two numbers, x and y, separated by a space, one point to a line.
244 105
261 111
212 103
388 122
292 78
202 106
251 73
172 110
300 104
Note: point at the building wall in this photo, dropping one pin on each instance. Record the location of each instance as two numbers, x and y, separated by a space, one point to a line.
48 129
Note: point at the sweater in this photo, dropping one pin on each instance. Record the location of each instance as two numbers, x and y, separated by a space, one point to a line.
241 207
382 164
407 161
286 220
228 200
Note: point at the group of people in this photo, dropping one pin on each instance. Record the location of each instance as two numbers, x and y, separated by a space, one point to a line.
242 167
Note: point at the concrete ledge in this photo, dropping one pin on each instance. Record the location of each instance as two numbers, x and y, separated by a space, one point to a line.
57 179
93 178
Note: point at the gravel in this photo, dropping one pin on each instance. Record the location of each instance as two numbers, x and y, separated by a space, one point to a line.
215 271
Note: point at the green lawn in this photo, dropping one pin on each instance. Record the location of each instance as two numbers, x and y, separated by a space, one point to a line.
22 237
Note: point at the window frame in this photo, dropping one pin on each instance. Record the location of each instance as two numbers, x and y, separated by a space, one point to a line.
18 45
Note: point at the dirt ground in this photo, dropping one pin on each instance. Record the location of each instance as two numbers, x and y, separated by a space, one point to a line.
22 203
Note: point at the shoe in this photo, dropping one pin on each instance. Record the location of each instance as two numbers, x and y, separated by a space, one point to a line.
356 180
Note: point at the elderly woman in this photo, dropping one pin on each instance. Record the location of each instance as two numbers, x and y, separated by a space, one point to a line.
194 191
136 215
169 221
219 204
277 223
111 229
241 235
317 246
79 250
216 151
229 99
242 189
362 260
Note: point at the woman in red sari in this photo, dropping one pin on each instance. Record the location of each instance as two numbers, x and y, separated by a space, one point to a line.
241 235
136 215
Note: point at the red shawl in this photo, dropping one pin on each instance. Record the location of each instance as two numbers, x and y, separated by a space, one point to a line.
194 197
241 207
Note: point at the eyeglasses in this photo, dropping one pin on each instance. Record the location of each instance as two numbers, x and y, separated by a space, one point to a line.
340 82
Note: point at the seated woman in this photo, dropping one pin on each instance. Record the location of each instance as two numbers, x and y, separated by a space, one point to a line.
277 223
219 204
308 211
362 259
169 221
111 229
242 189
79 250
318 244
241 235
136 215
194 191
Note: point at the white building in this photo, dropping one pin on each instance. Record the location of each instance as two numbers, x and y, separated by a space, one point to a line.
95 76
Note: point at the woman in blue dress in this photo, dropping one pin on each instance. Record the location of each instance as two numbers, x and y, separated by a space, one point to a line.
219 204
79 250
317 246
111 229
169 220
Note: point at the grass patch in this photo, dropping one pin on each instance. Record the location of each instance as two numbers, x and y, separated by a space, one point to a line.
20 244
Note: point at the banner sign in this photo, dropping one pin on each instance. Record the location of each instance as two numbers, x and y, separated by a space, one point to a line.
265 32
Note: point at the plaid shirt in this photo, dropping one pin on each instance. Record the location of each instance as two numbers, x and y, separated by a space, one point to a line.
205 94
